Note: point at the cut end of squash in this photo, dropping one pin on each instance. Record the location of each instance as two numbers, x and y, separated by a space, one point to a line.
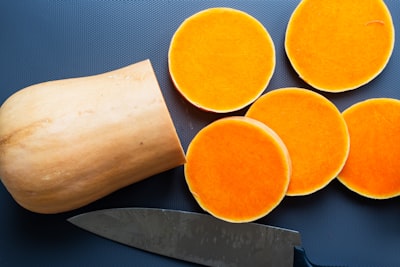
373 167
237 169
339 45
314 132
221 59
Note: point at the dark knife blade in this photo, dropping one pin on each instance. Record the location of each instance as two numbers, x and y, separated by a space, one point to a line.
195 237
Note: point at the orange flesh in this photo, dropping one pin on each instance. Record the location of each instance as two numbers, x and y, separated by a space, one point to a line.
339 45
373 166
237 169
313 131
221 59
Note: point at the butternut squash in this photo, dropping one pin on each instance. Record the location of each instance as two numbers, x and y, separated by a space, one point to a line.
221 59
373 166
339 45
67 143
313 130
237 169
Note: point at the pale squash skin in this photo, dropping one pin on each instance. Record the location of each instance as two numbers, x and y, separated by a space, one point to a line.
67 143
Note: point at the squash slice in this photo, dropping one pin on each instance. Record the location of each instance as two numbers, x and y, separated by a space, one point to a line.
339 45
237 169
221 59
373 167
313 131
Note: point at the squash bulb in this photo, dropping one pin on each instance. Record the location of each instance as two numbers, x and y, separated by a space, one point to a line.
67 143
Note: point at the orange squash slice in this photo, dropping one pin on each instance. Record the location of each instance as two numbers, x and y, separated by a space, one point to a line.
313 130
237 169
373 167
339 45
221 59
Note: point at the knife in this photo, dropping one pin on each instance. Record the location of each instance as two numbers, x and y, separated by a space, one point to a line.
197 237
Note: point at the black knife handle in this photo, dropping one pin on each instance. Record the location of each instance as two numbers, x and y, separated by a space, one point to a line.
301 260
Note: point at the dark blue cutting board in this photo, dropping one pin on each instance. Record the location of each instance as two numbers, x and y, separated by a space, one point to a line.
45 40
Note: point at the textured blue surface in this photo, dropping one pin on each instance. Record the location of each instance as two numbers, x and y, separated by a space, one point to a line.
45 40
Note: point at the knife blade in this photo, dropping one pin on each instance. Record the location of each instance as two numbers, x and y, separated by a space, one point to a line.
197 237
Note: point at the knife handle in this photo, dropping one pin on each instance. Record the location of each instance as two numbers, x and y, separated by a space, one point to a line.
301 260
